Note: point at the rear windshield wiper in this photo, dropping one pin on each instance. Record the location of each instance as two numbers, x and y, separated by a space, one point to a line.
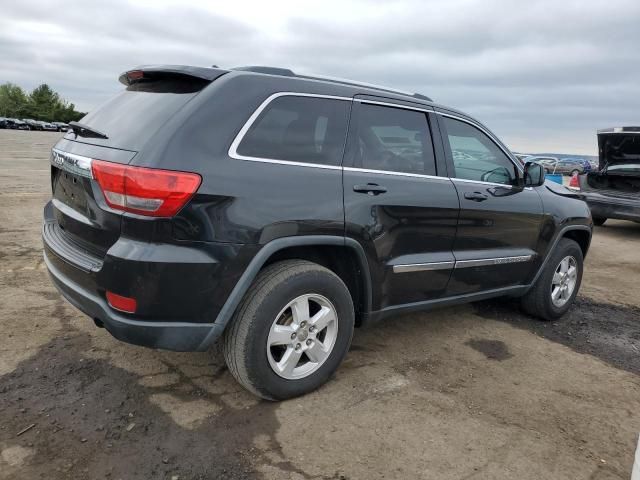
85 130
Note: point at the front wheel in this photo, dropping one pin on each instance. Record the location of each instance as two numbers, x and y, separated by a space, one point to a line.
291 331
558 284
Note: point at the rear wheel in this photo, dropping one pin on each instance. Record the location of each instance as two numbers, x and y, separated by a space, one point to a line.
599 221
291 332
557 286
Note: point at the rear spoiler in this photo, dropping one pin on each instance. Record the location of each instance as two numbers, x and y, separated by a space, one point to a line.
138 73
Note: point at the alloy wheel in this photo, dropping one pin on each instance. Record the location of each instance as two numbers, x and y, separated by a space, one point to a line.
564 281
302 336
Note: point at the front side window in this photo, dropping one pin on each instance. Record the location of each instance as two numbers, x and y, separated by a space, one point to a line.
476 156
299 129
393 139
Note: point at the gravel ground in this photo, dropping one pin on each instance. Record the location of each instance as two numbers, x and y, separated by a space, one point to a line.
476 392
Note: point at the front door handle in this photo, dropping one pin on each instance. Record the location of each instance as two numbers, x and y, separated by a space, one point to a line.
475 196
370 189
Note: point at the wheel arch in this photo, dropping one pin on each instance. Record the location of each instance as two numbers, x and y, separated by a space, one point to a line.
581 234
318 248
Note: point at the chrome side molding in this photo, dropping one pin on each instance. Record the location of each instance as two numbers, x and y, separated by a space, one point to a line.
423 267
481 262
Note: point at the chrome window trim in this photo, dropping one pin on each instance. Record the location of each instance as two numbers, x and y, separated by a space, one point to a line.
72 163
233 153
423 267
491 136
233 149
504 185
392 172
482 262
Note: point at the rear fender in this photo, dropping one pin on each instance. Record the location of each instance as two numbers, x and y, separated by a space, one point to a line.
263 255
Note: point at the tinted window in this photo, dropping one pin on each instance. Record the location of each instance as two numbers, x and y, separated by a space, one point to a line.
299 129
132 117
476 156
393 139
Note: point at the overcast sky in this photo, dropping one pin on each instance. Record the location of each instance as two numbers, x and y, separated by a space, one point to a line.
543 75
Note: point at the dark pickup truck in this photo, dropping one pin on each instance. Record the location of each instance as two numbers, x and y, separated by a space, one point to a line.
613 191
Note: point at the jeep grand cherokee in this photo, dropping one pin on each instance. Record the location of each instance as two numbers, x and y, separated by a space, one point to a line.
277 211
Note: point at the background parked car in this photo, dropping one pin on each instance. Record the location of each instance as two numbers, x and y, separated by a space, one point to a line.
547 162
564 166
4 122
580 162
61 126
32 124
49 127
19 124
613 189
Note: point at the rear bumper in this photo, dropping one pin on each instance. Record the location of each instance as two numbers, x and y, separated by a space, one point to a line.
607 207
177 336
180 288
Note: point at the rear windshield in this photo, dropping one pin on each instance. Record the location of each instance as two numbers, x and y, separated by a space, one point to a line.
133 116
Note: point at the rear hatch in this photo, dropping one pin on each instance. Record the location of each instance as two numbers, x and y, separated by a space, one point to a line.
80 219
618 174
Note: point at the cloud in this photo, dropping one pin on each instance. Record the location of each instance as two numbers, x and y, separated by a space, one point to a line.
544 75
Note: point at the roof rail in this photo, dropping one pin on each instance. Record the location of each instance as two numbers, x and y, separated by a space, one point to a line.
620 130
289 73
422 97
284 72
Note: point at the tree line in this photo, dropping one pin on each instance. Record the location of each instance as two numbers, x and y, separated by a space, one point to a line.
41 104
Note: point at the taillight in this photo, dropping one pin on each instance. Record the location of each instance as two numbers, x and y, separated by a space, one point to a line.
145 191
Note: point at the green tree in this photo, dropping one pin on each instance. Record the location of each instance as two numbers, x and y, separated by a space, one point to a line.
13 101
43 103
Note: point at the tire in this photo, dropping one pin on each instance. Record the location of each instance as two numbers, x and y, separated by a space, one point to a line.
245 348
599 221
538 300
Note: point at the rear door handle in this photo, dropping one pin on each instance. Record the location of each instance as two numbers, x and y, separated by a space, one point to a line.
475 196
370 189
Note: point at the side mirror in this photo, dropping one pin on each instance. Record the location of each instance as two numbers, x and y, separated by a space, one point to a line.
533 174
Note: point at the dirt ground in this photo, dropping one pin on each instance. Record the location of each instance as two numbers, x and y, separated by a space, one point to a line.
472 392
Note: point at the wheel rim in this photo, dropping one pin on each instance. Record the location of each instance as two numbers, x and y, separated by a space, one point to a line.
302 336
564 281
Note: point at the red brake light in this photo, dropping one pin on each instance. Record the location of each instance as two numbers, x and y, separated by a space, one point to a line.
124 304
145 191
135 75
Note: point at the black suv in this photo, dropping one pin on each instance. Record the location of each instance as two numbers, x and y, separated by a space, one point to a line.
277 211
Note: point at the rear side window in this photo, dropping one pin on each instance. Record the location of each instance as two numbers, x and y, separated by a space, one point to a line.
393 139
299 129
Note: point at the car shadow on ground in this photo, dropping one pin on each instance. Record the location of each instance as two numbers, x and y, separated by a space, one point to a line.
609 332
